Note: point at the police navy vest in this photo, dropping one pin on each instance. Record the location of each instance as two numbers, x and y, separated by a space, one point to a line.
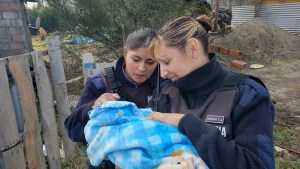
217 108
140 95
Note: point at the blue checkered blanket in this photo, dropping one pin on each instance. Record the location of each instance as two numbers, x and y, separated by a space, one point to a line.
118 131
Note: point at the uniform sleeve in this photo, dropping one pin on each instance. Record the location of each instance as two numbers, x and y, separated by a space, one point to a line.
252 142
75 123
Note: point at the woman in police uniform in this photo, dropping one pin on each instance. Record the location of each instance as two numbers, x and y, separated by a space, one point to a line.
227 116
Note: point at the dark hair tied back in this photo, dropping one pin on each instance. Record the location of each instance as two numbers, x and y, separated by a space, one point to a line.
139 38
205 22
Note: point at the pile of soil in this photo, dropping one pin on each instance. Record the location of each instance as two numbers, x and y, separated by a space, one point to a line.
260 40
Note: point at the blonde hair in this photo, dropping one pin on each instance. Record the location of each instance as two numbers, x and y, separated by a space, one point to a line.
177 32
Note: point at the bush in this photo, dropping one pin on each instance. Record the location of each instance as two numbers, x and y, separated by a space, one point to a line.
51 21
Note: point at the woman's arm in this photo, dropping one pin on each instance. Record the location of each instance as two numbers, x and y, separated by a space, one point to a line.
252 133
75 123
252 142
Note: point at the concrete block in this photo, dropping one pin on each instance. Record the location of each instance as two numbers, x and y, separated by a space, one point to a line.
238 64
9 1
17 45
2 31
16 22
9 15
5 38
14 6
5 53
5 23
13 31
4 46
4 6
18 38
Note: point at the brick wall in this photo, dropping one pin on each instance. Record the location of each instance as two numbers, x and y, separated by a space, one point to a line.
14 31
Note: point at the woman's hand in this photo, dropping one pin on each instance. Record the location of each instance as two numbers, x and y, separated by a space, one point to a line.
106 97
167 118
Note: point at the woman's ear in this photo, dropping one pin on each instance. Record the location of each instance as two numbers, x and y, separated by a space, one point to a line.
193 47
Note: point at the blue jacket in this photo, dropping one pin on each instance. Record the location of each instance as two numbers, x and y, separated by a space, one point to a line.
252 119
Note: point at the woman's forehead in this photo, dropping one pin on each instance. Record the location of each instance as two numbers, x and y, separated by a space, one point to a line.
141 53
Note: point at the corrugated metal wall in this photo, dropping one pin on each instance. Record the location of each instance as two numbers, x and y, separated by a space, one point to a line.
285 16
241 14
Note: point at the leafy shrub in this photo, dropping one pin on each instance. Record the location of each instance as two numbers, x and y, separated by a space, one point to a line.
51 21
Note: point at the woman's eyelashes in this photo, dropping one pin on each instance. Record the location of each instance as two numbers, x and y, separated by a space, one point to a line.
148 62
136 60
164 61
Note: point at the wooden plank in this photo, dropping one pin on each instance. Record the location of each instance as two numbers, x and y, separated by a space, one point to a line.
101 66
47 109
14 158
88 65
19 67
60 88
8 125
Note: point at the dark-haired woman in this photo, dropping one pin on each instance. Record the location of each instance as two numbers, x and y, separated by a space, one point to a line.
227 116
133 79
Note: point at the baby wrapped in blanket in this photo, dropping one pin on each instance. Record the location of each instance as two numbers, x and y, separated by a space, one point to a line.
118 131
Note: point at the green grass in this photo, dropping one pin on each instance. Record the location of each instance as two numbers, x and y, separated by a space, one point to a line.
287 138
284 164
37 44
79 161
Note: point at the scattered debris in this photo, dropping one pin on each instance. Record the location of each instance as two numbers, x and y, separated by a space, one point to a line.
78 39
238 64
256 66
225 51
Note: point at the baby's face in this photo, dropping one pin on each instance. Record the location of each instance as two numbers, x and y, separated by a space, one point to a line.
176 162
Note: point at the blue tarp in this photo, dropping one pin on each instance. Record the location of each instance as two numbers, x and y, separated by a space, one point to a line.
78 39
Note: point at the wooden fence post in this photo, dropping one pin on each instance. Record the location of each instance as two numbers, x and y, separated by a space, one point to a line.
47 109
7 116
88 66
11 155
60 88
19 67
14 158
